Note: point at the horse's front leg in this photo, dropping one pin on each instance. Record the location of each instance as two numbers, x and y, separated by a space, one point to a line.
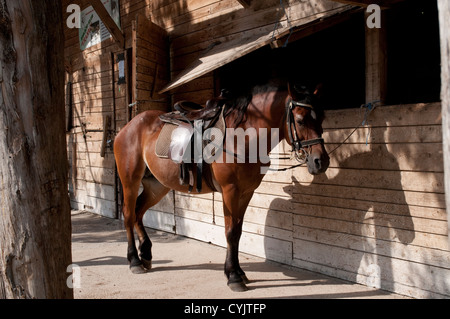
234 206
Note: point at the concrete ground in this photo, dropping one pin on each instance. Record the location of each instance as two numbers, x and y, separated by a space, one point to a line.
185 268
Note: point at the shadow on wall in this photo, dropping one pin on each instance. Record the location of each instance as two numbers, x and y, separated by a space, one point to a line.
350 221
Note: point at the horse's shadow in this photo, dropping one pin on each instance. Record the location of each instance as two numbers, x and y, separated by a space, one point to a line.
347 226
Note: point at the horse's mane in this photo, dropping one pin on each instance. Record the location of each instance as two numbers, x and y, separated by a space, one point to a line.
237 107
237 102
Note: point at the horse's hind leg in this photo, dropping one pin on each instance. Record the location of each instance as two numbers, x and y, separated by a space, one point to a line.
130 193
153 192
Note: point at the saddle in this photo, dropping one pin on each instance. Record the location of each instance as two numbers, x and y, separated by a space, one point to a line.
176 140
188 112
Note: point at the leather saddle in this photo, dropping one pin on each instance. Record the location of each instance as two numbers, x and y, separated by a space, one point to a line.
188 112
190 117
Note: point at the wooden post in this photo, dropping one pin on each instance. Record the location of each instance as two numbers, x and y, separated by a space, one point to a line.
444 21
376 63
35 225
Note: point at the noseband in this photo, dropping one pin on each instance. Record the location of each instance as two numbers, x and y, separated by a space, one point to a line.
301 149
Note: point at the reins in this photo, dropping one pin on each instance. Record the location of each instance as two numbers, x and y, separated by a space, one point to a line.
369 108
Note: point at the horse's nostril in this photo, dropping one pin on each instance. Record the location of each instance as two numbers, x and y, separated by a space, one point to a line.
318 163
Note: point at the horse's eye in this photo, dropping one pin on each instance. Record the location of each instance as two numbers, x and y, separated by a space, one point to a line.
300 122
299 119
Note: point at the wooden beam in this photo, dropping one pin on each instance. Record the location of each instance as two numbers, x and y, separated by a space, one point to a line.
245 3
109 22
444 22
365 3
376 63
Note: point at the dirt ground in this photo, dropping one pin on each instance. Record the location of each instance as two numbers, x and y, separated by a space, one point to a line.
185 268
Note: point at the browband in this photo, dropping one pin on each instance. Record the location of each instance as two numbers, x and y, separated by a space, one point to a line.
309 106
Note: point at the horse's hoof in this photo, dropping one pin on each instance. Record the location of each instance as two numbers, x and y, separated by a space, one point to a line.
138 269
147 264
237 286
245 279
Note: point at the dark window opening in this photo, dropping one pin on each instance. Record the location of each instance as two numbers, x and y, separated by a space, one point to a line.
414 61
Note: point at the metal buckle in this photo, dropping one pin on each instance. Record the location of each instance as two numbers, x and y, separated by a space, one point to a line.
301 155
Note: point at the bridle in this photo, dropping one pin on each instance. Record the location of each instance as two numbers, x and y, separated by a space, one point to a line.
301 149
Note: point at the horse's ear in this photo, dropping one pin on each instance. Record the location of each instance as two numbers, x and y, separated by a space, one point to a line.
297 92
318 90
290 90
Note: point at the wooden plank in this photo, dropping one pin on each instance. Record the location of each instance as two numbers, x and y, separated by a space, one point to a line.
109 22
444 26
376 62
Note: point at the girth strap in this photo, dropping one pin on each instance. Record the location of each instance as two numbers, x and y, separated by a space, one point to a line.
198 154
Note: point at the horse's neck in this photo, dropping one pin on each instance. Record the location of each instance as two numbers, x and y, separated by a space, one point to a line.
267 111
271 107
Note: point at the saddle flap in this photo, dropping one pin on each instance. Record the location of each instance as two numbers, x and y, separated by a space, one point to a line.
179 142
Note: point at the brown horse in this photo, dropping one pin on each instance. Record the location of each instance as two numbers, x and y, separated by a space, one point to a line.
287 109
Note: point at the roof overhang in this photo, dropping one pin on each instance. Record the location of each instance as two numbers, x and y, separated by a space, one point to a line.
222 53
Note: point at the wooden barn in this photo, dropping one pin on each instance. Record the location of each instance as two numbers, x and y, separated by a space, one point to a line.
376 217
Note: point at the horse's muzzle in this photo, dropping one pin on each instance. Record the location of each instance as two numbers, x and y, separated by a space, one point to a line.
318 163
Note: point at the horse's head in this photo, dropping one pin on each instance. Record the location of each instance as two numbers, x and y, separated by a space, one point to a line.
304 128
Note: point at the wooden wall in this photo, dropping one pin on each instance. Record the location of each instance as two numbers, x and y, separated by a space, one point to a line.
97 95
377 217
